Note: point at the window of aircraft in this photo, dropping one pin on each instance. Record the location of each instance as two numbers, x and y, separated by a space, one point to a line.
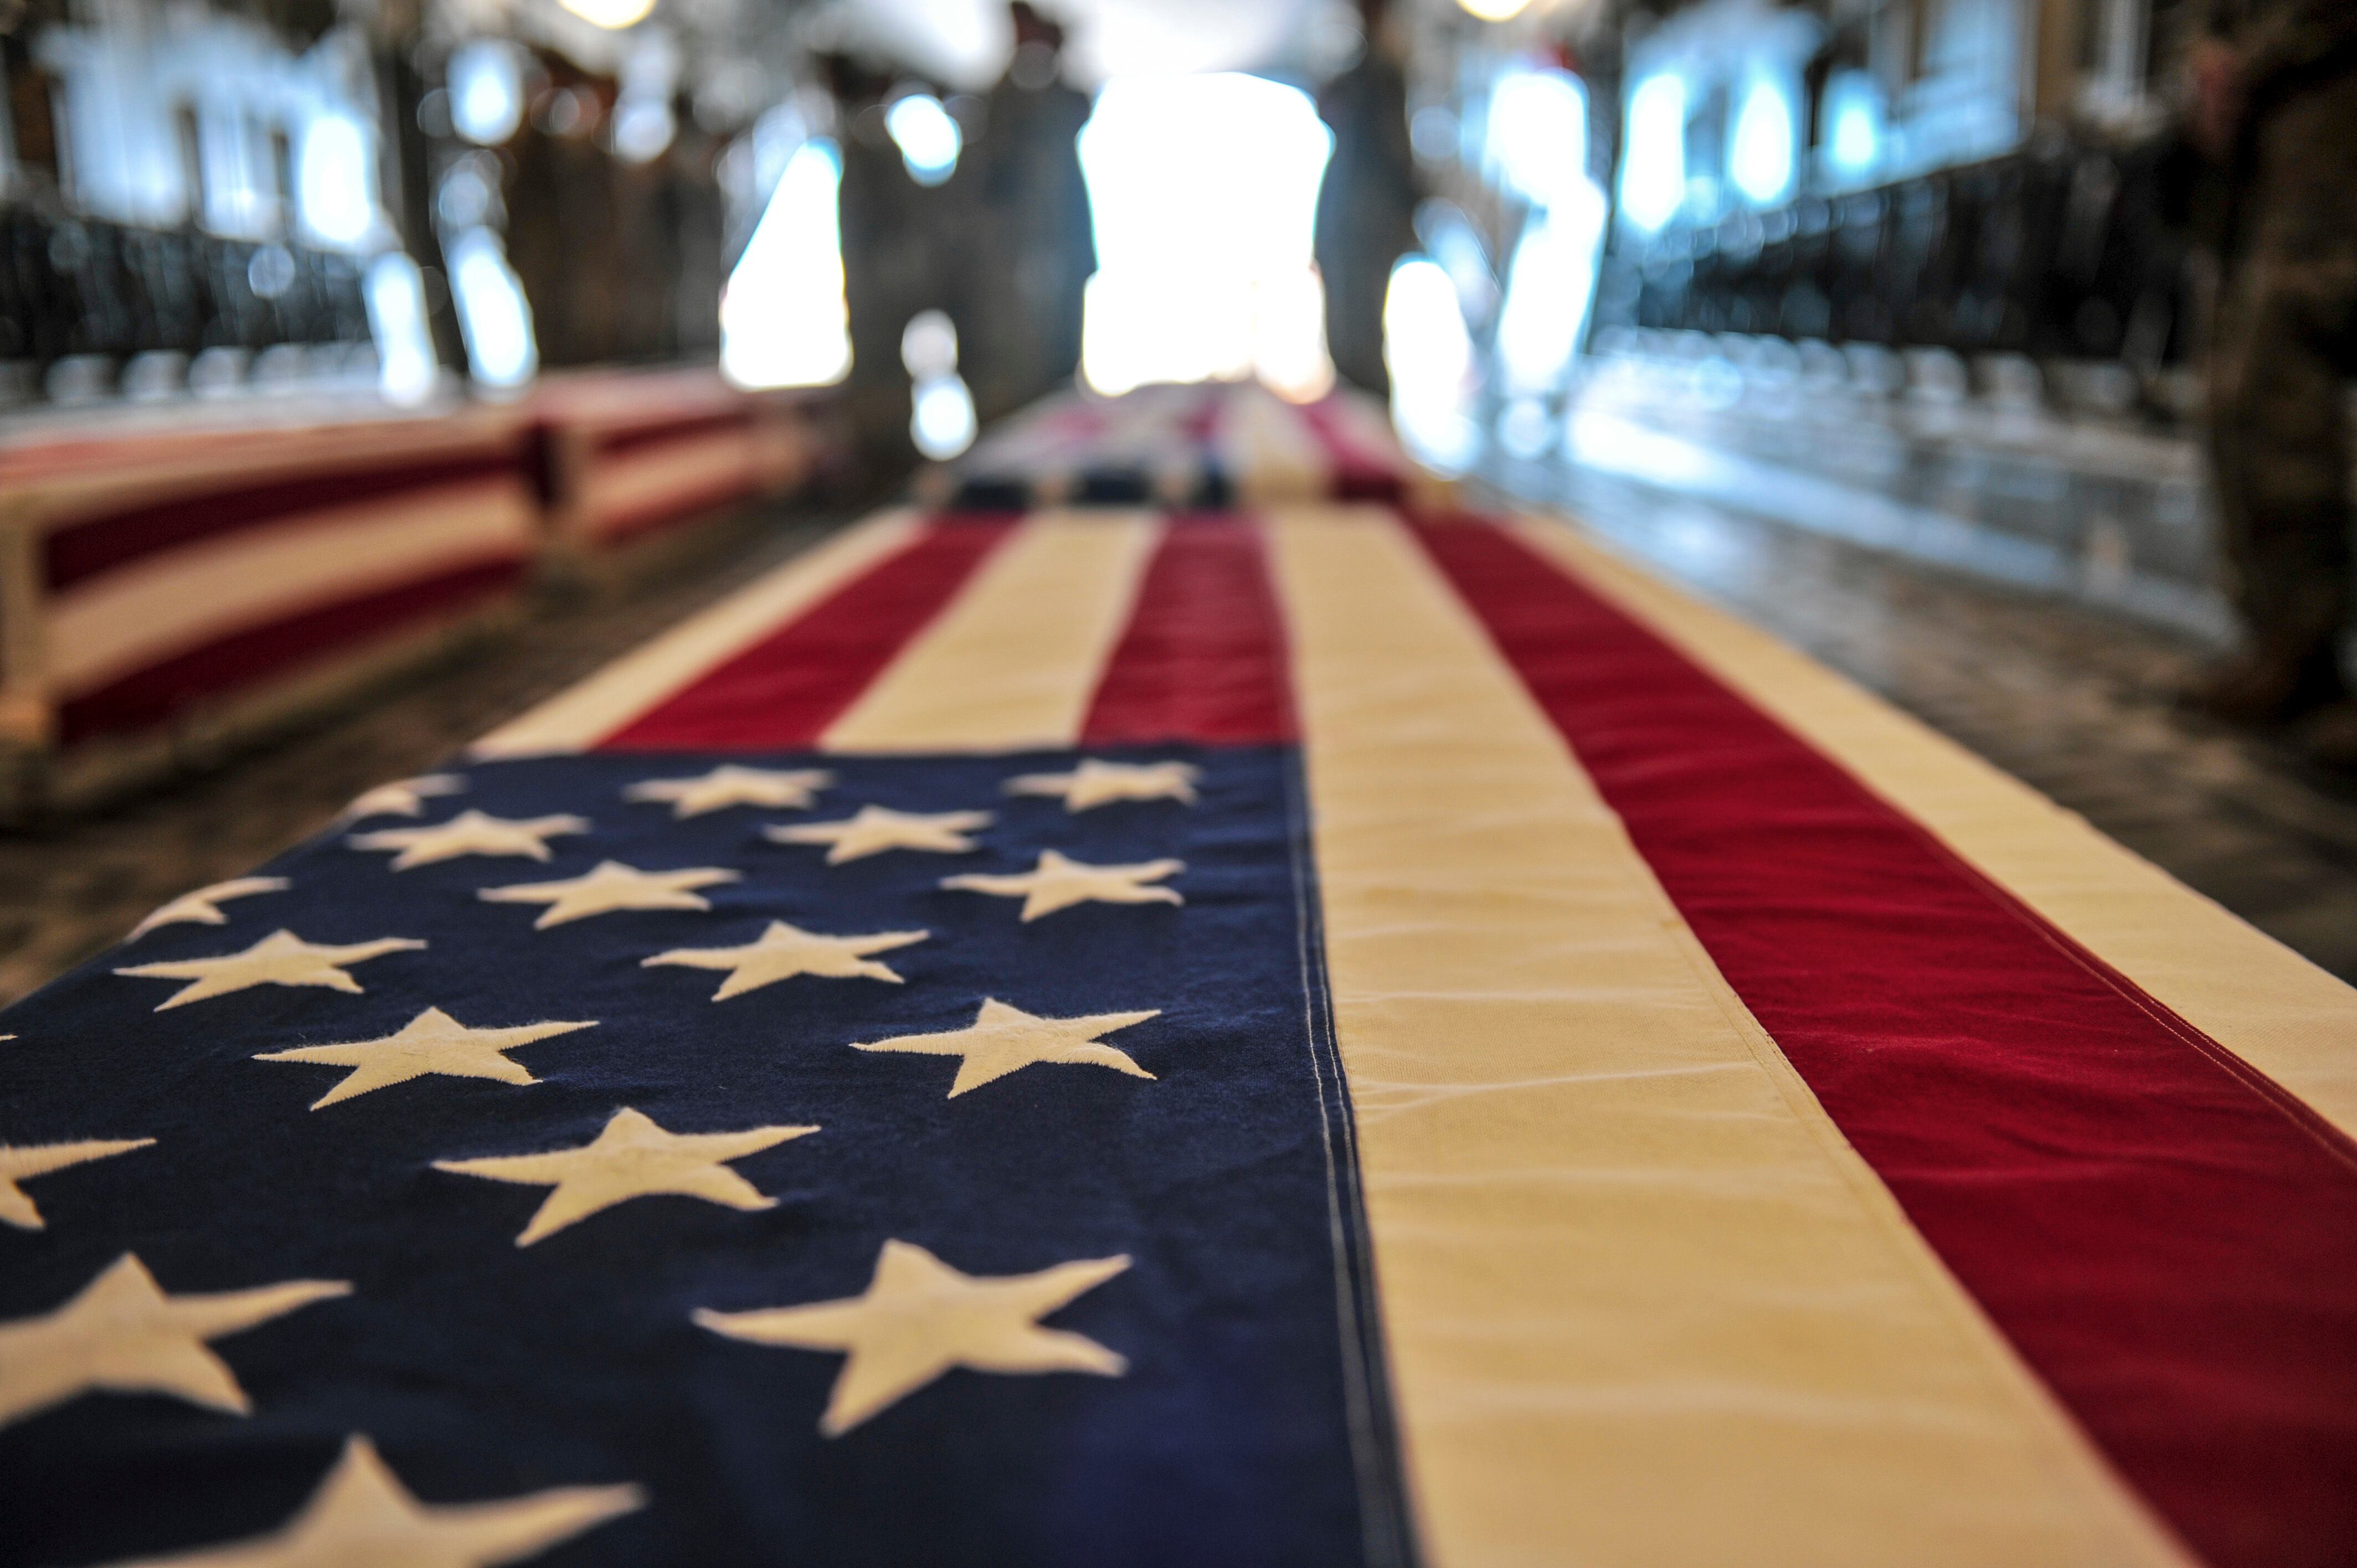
1852 114
1653 167
336 182
1549 287
1538 146
1760 159
643 127
1537 139
1433 132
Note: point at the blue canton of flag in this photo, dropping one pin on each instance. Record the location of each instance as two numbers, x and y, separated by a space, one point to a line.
652 1159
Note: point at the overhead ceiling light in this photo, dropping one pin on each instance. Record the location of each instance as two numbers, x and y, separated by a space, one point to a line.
613 14
1496 10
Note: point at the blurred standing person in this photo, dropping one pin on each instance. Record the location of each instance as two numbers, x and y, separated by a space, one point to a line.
886 251
2273 87
1035 241
562 218
647 243
1366 207
699 211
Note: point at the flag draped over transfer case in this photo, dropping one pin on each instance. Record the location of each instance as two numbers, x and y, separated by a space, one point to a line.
1323 1035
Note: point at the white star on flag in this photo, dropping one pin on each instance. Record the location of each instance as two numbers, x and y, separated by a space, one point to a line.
919 1317
878 828
1003 1039
403 797
633 1158
122 1334
470 832
1057 883
363 1517
611 886
1095 783
282 958
23 1162
432 1043
785 952
202 906
729 785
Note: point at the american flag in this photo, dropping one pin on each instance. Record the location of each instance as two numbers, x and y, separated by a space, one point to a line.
1108 1038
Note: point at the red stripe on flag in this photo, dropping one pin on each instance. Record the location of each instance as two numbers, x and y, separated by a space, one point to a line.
1358 474
1204 656
784 691
2170 1241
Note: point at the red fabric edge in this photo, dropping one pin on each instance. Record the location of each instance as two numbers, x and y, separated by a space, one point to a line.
674 510
630 438
149 697
84 548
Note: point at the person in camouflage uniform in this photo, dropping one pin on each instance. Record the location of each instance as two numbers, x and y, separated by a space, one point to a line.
1366 204
2274 102
885 222
1029 245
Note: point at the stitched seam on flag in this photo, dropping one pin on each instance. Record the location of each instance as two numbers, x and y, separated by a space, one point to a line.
1386 1520
2336 1144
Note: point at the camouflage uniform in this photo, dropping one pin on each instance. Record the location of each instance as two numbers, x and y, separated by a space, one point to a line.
2286 343
1366 211
1029 247
886 266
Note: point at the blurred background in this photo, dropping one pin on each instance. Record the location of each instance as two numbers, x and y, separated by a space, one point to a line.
1960 237
417 198
1996 350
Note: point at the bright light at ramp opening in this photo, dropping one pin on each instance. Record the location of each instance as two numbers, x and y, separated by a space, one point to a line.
783 322
1204 190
